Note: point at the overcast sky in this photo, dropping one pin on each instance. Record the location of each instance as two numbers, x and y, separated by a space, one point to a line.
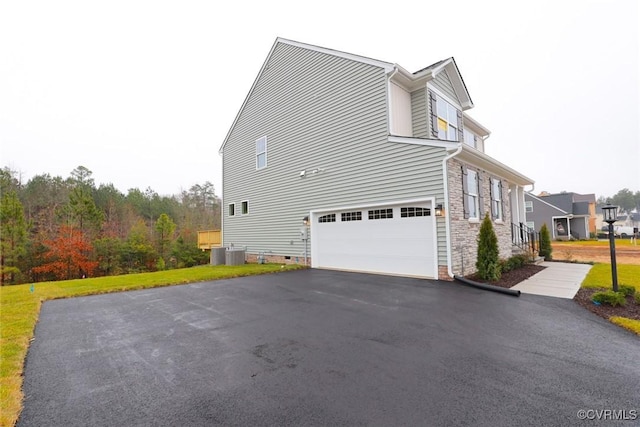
143 93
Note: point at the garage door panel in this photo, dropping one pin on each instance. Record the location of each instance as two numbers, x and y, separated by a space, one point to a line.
401 246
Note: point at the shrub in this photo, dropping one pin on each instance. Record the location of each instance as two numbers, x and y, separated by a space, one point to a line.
516 261
609 297
637 297
545 243
488 262
627 290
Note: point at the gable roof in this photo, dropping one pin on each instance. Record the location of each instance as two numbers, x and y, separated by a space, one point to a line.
527 194
404 77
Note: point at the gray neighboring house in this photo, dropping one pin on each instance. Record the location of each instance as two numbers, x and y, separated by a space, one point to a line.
567 215
357 164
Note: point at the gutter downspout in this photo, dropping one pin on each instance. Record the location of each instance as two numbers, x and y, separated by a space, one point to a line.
389 124
447 222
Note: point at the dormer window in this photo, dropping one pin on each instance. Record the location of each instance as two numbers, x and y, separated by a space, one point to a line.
447 120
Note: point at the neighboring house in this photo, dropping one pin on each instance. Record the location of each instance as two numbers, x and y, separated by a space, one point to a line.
384 165
567 215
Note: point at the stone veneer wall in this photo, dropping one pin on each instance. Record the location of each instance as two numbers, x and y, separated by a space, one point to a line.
464 232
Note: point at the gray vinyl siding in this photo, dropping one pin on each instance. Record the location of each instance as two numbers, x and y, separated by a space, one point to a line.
443 84
542 213
419 113
317 111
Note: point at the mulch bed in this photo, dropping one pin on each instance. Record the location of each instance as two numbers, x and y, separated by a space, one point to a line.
630 310
513 277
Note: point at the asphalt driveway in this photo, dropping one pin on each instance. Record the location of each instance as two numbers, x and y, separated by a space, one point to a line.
318 347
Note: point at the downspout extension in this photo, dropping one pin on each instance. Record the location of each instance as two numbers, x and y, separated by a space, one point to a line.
447 222
487 287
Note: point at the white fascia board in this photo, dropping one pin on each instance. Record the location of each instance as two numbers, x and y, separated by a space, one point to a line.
449 145
450 67
484 132
376 63
477 158
547 203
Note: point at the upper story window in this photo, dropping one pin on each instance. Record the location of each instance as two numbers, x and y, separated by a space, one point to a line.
496 199
244 208
232 209
261 153
469 138
448 126
528 206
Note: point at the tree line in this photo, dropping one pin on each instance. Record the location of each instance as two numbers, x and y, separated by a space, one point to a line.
55 228
625 199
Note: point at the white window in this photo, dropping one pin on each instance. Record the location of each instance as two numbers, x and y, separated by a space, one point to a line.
447 120
469 138
351 216
381 214
473 194
327 218
232 209
261 153
531 225
244 208
496 199
528 206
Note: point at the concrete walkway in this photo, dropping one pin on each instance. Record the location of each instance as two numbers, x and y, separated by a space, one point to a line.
559 279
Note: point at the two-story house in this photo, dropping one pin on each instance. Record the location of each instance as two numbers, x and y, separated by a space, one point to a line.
358 164
568 215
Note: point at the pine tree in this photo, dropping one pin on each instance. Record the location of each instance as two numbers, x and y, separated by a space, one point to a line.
488 262
13 236
545 243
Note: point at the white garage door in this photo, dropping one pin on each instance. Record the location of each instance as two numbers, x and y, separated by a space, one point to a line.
398 239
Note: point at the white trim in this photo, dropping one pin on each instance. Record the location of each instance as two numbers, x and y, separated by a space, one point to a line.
388 67
489 164
429 200
437 91
447 222
440 143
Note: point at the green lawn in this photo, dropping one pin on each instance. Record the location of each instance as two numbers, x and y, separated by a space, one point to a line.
602 242
600 277
20 307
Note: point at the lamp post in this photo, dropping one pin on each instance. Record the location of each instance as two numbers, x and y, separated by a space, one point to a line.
610 214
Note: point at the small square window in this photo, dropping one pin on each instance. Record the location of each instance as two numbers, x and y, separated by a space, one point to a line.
232 209
528 206
244 208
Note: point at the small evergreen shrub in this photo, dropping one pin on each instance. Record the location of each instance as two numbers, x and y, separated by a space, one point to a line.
609 297
627 290
515 262
545 243
488 262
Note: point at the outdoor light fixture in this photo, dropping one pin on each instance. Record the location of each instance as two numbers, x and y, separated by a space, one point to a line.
610 214
305 220
439 210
